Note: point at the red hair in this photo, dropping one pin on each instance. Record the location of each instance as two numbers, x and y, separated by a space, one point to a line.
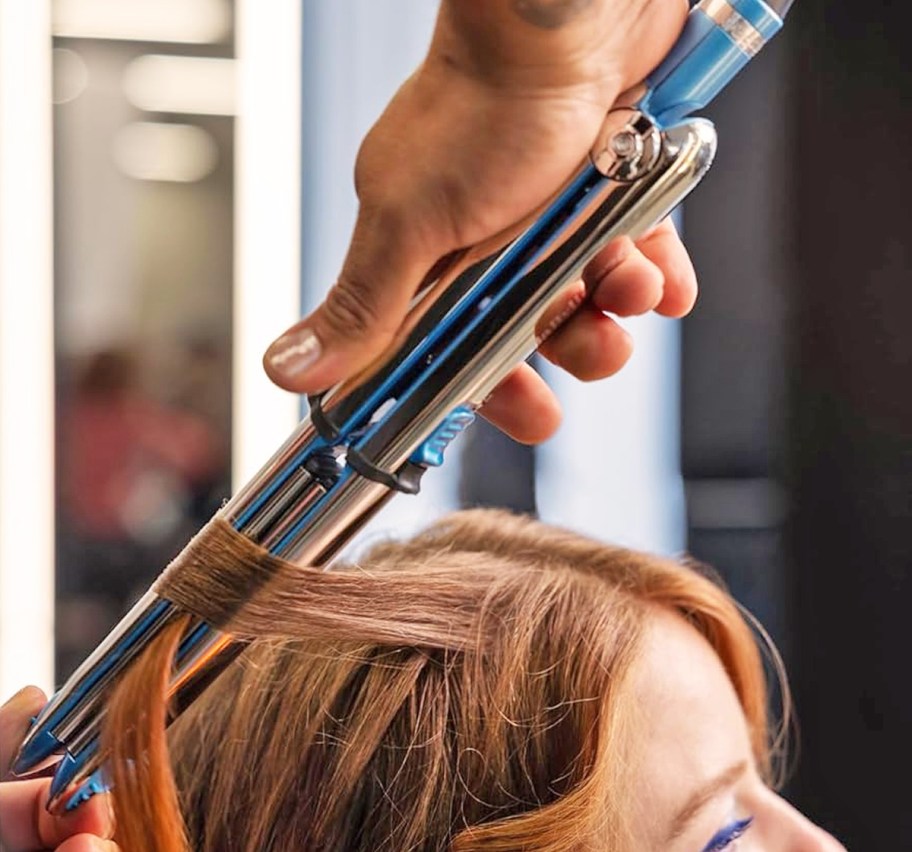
463 690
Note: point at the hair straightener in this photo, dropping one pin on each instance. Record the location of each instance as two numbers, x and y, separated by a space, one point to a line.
376 435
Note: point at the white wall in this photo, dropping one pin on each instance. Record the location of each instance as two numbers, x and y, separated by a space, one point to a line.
267 223
26 349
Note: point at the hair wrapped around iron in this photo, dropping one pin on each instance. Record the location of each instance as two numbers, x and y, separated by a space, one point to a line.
465 689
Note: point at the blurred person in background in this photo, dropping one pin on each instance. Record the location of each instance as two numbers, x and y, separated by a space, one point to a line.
130 469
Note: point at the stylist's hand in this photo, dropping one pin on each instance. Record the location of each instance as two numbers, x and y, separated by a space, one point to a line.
503 110
24 822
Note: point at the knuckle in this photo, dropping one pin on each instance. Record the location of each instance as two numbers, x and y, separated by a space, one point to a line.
350 307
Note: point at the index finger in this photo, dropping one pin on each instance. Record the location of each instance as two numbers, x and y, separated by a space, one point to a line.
15 719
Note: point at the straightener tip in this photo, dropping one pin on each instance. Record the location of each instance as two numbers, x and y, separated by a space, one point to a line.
37 748
66 772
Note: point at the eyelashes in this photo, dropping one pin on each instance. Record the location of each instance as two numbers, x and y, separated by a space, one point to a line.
724 838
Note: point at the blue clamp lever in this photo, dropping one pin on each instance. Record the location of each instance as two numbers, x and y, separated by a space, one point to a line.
92 786
430 453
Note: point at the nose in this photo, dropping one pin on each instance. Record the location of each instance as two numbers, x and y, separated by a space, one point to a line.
788 830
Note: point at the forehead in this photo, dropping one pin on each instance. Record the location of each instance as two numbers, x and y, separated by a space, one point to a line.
689 726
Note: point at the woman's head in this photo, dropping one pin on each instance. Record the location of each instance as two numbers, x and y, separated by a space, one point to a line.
493 683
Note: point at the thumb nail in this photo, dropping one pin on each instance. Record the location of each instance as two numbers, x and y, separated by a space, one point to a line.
294 352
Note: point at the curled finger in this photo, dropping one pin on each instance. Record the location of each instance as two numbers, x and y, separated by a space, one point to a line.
621 280
523 406
663 247
590 345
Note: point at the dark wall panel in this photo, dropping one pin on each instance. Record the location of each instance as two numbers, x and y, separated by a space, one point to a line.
797 391
738 228
851 437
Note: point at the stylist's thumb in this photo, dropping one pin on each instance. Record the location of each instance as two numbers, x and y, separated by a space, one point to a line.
361 313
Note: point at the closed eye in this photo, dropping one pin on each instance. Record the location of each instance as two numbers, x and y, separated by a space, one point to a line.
724 838
703 796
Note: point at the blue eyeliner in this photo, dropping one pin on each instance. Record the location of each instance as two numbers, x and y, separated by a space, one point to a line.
728 835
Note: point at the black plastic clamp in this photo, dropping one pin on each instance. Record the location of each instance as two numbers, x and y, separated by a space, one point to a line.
326 429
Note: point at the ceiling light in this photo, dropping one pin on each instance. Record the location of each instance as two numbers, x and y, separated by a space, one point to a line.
183 21
148 150
185 84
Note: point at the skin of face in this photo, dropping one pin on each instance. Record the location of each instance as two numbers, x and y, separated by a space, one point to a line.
693 768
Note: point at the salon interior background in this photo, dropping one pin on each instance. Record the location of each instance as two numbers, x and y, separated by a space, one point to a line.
201 153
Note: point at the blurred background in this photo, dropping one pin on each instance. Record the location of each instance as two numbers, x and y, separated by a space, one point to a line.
175 189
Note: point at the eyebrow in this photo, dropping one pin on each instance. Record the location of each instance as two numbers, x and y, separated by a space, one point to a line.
704 795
